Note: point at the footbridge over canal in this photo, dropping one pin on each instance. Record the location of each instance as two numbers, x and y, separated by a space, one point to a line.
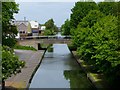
36 41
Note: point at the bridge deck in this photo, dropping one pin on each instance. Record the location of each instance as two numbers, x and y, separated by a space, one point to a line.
34 42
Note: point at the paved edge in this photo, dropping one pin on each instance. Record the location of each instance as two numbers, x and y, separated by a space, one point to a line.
36 69
24 85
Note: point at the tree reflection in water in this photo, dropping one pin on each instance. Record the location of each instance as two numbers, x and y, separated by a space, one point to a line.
77 80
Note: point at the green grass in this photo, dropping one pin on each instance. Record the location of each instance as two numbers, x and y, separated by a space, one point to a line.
50 48
24 47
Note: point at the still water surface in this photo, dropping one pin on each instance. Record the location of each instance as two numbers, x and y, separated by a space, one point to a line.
59 70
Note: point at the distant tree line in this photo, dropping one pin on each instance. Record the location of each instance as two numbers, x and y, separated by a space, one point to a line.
94 28
51 28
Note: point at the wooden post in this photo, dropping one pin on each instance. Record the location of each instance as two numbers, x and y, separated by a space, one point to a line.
39 46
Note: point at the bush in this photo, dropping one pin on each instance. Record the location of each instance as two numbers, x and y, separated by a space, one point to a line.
10 63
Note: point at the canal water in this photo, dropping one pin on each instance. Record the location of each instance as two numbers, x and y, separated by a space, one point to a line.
60 70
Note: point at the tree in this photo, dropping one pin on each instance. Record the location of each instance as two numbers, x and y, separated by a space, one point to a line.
109 7
107 55
91 18
55 28
8 31
96 37
83 29
80 10
65 28
99 46
10 64
49 24
0 22
51 28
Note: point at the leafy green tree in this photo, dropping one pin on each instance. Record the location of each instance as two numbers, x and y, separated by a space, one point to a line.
91 18
109 7
55 28
49 24
51 28
99 46
80 10
106 41
8 31
107 55
10 64
1 22
96 36
49 32
83 29
65 28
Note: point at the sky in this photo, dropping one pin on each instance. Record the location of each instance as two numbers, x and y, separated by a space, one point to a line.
43 10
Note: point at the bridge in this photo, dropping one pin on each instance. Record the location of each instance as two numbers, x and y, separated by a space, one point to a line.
36 41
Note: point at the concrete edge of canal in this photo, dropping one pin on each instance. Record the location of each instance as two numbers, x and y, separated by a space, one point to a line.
36 69
96 79
88 74
22 80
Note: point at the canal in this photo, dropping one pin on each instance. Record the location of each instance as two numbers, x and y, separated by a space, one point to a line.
60 70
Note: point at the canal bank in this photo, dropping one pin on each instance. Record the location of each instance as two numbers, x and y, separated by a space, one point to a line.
22 79
60 70
95 78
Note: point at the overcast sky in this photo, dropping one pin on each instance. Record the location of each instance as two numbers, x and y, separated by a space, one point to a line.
42 11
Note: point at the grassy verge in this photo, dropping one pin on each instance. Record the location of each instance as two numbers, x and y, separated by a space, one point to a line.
97 79
24 47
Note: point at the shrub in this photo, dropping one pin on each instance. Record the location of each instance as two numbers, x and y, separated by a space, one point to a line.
10 63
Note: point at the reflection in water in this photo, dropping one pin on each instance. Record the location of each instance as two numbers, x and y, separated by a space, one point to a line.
77 79
59 70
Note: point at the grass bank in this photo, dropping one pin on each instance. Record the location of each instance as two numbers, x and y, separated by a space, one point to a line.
24 47
97 79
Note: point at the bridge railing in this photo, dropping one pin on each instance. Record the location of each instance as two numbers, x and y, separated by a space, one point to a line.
45 37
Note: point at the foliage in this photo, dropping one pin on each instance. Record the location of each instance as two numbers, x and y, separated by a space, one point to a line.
24 47
50 27
99 45
106 41
91 18
80 10
10 63
50 49
109 7
95 35
49 32
83 30
65 28
8 31
49 24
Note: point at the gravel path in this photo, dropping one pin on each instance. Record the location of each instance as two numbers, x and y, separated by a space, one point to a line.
32 59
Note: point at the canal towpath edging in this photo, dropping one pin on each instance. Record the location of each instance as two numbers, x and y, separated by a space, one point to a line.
36 68
92 77
23 79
